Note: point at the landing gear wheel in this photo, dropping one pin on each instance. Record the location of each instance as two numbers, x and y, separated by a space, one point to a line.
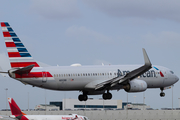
107 96
82 97
85 97
162 94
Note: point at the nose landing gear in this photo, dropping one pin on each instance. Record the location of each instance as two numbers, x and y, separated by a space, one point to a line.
162 94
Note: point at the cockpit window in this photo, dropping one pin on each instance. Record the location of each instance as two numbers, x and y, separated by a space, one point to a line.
172 72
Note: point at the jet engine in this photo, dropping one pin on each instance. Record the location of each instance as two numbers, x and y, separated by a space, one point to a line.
135 86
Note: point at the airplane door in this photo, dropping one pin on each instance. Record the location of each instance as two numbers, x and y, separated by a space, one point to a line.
44 76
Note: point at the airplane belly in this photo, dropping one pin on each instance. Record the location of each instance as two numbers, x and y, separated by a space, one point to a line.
50 83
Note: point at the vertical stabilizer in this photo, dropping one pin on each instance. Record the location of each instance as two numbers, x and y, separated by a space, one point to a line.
15 110
18 54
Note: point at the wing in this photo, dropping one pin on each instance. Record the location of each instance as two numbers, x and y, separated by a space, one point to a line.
128 77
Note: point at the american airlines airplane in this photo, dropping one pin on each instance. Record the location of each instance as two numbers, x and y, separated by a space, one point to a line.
19 115
90 80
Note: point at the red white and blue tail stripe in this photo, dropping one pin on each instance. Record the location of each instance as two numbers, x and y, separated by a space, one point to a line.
18 54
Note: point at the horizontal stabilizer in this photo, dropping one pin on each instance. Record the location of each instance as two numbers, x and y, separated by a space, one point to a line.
3 73
24 70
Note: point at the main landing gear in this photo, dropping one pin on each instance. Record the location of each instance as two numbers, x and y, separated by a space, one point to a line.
83 97
107 96
162 94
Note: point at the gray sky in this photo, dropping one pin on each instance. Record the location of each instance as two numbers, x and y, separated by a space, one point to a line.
90 32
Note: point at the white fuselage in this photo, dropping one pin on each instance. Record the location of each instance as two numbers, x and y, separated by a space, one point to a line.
86 77
55 117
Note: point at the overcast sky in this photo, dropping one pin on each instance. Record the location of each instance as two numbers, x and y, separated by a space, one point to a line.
92 32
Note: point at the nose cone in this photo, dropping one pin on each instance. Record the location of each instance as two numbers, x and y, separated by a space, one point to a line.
176 79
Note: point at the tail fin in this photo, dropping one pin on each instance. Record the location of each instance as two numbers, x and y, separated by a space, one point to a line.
18 54
15 110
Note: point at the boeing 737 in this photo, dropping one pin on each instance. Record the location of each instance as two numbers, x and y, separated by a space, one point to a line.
90 80
17 114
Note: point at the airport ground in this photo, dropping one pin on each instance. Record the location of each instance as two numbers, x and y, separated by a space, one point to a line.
113 114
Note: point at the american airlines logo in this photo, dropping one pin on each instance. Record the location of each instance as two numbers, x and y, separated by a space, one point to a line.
150 73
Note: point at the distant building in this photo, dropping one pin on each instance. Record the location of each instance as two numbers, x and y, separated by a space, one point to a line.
74 104
46 107
58 104
91 104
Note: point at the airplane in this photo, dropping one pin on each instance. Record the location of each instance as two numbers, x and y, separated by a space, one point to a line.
19 115
90 80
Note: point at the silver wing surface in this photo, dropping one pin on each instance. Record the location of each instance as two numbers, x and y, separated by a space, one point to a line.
128 77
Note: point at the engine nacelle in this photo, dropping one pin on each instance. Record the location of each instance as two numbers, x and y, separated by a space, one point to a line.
135 86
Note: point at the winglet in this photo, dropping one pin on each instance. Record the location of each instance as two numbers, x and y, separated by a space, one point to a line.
146 58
